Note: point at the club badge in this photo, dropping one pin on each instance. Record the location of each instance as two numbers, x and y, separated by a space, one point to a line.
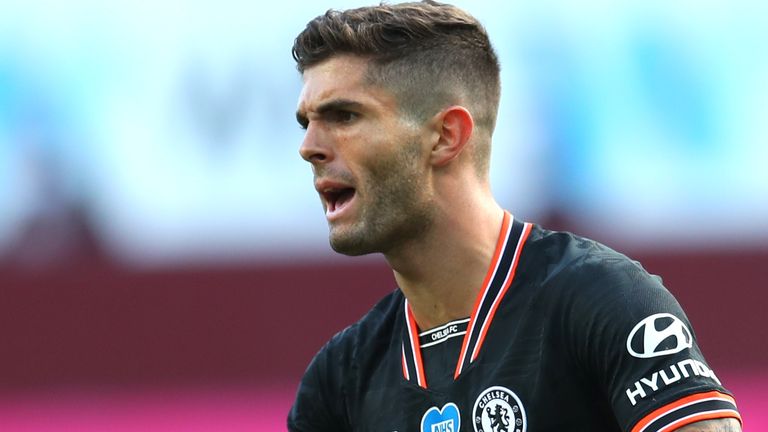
498 409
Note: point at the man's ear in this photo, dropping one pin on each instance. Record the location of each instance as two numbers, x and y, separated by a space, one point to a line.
454 126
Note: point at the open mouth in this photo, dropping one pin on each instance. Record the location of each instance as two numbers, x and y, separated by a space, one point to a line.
337 199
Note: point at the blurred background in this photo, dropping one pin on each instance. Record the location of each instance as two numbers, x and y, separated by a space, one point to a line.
163 256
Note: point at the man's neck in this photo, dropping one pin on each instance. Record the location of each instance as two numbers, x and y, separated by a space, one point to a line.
441 274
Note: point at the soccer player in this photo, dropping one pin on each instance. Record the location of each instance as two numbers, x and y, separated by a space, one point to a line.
497 324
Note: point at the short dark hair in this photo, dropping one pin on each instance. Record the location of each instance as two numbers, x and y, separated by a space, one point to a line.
429 54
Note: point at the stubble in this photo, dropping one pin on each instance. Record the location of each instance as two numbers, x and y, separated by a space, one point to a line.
395 210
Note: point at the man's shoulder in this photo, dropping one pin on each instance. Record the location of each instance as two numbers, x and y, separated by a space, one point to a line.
563 260
370 332
331 383
568 247
589 285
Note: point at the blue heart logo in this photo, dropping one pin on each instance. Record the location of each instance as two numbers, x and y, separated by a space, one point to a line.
446 419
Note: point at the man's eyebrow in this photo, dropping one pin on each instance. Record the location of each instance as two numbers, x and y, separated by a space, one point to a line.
330 106
338 105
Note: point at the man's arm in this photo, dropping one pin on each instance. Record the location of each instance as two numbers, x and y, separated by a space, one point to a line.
719 425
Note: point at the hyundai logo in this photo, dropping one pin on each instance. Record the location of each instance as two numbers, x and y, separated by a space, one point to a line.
659 334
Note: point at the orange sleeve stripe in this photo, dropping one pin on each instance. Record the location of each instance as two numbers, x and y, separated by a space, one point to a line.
666 409
711 415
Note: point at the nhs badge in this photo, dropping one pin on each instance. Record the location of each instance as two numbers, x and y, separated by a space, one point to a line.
446 419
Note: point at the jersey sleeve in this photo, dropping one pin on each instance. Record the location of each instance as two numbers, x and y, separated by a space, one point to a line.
319 403
639 347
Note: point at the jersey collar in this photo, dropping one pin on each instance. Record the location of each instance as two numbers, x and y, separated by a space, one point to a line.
495 285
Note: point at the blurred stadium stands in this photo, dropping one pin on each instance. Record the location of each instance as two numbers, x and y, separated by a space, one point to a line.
163 257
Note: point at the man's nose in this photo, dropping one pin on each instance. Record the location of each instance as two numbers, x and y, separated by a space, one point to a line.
315 149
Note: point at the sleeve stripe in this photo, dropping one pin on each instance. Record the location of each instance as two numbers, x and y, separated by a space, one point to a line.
688 410
700 417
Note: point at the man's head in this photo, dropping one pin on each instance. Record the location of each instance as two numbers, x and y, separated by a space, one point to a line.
429 55
399 104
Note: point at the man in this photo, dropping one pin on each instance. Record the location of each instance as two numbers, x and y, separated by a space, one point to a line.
497 325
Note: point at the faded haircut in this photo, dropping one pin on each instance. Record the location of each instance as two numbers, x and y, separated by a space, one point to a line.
430 55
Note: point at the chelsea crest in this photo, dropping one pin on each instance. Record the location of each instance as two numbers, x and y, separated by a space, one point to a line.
498 409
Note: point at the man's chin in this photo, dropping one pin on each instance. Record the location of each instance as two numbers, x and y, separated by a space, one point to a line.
351 245
351 249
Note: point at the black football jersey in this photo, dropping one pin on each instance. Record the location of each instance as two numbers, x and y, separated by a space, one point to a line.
566 335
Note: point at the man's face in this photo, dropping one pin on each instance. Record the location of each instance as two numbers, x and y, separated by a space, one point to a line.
369 162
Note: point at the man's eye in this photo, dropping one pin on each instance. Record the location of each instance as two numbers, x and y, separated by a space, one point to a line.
303 121
341 116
